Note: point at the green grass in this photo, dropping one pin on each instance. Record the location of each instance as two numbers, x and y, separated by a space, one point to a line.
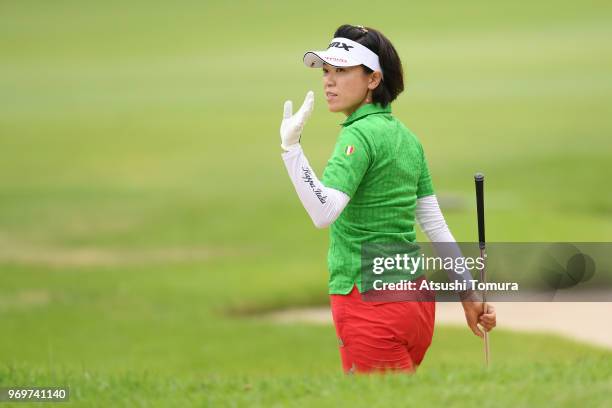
527 385
143 201
528 370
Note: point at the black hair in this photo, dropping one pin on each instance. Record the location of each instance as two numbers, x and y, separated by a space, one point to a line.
392 83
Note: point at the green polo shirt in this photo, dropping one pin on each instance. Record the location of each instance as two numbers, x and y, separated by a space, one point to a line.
381 166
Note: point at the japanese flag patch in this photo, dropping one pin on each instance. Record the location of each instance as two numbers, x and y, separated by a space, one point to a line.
350 149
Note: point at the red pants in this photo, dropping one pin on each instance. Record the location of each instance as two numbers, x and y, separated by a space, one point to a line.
381 336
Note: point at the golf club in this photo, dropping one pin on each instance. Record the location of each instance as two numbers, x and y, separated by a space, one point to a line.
479 181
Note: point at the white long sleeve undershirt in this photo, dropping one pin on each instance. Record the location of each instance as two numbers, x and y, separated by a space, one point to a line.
431 221
324 205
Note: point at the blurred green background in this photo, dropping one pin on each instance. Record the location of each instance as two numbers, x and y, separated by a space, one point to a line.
145 209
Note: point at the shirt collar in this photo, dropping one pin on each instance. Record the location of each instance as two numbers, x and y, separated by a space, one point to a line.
365 110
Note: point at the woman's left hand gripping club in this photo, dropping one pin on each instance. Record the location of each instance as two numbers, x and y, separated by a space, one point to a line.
292 125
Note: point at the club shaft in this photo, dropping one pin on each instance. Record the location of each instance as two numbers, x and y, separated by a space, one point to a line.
483 278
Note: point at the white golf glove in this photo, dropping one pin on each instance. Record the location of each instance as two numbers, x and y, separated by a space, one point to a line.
292 125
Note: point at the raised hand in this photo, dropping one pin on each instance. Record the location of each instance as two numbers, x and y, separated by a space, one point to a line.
292 125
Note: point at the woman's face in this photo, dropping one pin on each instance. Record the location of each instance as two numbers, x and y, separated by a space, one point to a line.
347 88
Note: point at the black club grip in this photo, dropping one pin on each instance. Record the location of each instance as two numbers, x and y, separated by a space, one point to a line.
479 181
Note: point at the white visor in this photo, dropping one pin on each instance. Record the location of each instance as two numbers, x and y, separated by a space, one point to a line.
343 52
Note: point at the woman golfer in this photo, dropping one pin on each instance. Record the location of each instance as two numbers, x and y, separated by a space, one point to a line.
375 186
